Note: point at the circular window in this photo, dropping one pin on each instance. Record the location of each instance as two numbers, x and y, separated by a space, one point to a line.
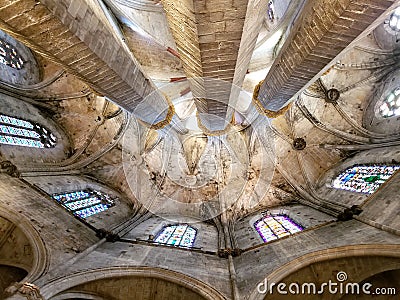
394 21
391 105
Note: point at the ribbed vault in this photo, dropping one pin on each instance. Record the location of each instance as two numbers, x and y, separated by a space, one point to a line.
210 40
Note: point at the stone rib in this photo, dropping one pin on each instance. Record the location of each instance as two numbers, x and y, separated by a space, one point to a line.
208 36
322 31
74 36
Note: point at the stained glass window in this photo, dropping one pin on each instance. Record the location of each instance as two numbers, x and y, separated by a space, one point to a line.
364 178
9 56
271 11
391 105
15 131
84 203
181 235
273 227
394 21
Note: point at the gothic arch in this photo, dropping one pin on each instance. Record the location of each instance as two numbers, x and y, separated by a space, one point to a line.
390 251
40 255
77 295
58 286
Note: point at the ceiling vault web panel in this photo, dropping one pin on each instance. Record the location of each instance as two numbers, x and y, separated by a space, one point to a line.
322 31
208 35
77 37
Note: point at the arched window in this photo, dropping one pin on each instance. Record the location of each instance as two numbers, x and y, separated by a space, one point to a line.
391 105
84 203
394 21
181 235
364 178
15 131
9 56
272 227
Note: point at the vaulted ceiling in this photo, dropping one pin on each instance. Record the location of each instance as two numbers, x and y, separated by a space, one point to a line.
186 72
190 111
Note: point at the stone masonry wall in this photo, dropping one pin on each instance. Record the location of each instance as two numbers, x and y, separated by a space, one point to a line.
253 266
63 235
107 219
25 155
322 31
246 235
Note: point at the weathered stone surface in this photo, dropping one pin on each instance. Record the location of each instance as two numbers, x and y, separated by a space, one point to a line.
208 36
320 33
65 31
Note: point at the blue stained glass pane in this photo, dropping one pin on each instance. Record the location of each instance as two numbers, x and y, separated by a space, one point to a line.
32 133
165 234
87 212
3 129
274 227
38 144
16 122
181 235
71 196
177 235
189 237
19 131
82 203
17 141
364 178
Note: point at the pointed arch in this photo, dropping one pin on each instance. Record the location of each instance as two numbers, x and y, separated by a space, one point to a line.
390 250
40 255
271 227
63 284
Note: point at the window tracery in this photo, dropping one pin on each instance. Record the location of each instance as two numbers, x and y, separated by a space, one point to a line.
19 132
